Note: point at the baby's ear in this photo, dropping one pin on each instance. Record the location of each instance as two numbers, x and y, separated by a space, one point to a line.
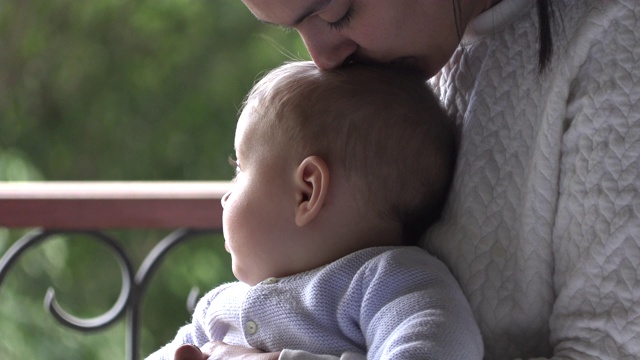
312 186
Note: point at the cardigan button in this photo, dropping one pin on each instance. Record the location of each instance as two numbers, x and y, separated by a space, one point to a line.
250 327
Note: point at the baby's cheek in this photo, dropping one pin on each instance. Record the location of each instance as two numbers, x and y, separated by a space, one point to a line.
236 225
230 225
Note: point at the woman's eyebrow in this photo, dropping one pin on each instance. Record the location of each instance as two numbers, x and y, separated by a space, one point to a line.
310 10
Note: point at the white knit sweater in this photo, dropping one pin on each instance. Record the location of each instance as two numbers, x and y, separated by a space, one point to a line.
543 225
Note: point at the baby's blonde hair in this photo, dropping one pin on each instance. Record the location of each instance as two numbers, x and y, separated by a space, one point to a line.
380 125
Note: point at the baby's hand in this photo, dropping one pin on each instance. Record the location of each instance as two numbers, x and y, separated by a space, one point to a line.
221 351
189 352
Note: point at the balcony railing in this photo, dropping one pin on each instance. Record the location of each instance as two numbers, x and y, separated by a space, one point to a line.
193 208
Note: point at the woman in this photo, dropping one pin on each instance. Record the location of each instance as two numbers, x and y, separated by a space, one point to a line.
542 228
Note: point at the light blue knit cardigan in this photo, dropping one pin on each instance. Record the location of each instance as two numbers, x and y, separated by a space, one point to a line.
387 302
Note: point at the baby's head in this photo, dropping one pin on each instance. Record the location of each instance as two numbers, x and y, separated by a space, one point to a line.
378 126
368 148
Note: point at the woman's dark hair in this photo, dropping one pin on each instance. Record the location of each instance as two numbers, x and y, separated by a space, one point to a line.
545 17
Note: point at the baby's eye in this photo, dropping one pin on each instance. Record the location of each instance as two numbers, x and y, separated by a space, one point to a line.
236 166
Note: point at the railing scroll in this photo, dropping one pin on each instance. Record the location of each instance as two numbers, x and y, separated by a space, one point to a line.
62 208
36 237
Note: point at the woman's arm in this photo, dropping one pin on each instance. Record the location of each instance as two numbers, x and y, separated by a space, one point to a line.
596 238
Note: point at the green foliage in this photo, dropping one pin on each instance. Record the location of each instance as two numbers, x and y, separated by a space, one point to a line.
119 90
14 166
129 90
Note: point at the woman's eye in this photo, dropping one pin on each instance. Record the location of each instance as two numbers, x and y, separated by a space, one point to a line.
343 21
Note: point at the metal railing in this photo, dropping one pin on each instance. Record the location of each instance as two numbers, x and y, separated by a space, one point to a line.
90 208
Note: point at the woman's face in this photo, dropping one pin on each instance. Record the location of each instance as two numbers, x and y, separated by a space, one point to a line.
422 33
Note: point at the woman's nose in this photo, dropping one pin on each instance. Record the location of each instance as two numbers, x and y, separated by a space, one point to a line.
225 197
327 48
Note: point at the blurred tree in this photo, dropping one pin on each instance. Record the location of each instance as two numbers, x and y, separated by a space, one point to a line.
119 90
129 90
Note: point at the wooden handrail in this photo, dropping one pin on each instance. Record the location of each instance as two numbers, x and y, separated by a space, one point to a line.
112 205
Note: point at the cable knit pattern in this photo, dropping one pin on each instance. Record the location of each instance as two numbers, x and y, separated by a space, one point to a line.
542 229
389 303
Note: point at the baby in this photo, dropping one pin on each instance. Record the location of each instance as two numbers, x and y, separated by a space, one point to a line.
338 173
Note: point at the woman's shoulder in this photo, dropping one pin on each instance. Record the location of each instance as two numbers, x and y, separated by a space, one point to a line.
590 20
595 38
